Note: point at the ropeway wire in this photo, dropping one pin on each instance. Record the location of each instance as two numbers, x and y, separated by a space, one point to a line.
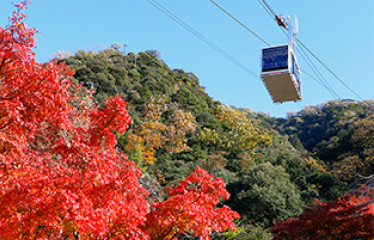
239 22
319 77
268 8
318 81
317 73
329 70
201 37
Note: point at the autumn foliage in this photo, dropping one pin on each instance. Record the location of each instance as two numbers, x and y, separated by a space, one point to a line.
152 134
61 175
349 217
191 208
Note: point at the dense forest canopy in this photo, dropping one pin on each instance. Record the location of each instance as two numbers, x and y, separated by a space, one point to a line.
274 167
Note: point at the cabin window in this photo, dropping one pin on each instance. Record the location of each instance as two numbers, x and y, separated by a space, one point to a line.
275 58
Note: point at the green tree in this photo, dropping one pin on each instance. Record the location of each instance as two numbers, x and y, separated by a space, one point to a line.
265 195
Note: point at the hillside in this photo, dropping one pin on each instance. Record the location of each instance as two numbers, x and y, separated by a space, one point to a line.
273 167
105 145
340 133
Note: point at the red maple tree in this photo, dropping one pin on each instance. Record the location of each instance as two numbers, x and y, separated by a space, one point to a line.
61 176
349 217
191 209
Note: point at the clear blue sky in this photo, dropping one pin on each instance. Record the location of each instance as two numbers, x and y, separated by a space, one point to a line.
341 33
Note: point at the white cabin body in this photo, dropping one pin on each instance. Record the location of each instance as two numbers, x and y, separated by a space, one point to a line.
281 73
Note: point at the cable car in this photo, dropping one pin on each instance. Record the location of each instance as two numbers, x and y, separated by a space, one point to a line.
280 71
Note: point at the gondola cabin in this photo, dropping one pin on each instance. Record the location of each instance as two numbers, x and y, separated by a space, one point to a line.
281 73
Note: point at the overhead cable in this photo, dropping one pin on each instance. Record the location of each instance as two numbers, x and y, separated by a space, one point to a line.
272 14
239 22
328 69
201 37
268 8
319 78
319 82
319 75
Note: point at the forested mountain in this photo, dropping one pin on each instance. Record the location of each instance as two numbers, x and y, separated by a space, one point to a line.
273 167
124 147
341 133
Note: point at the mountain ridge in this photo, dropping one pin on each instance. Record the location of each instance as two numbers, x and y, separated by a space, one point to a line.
178 126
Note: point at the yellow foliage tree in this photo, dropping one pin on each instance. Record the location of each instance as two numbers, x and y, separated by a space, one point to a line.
182 124
152 134
209 136
148 136
241 132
